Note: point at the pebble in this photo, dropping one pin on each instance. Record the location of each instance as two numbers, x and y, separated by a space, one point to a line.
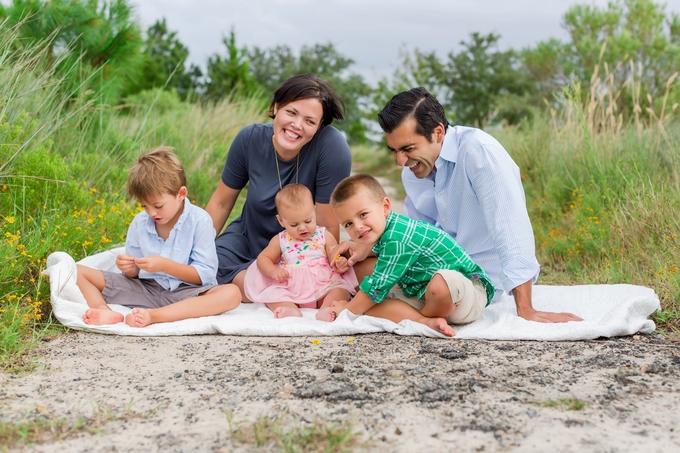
337 369
548 356
396 374
531 413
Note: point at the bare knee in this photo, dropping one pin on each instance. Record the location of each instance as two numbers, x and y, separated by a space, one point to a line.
438 290
229 295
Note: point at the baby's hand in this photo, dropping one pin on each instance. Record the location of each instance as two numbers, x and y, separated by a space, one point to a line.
340 264
126 263
151 263
280 275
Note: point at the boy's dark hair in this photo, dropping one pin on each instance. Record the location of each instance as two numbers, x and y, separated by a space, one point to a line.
156 173
349 187
292 195
415 103
309 86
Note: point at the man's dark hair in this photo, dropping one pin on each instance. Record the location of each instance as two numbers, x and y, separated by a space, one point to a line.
417 103
309 86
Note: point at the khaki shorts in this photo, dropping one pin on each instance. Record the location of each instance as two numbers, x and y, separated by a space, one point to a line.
469 296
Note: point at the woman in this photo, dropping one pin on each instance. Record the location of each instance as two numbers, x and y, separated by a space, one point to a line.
299 146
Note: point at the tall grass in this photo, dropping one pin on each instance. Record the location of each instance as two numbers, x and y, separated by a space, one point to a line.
603 193
63 165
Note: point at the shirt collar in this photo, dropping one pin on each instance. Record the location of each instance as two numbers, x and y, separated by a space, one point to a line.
151 225
449 150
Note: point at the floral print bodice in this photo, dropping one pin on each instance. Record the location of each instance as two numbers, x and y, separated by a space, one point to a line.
297 253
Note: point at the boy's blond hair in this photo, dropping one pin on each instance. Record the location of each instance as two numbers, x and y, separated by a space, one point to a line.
349 187
292 195
155 173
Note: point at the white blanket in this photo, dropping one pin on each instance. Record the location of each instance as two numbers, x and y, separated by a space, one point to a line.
607 310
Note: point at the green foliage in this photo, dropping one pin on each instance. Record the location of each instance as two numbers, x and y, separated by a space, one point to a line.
164 63
629 42
478 84
229 75
95 43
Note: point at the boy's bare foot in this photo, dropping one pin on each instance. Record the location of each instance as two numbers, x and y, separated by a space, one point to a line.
440 325
326 314
101 316
285 312
140 317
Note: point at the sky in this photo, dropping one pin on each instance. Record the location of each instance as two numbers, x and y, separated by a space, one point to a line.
371 32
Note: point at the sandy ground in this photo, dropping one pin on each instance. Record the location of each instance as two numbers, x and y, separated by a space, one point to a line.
402 394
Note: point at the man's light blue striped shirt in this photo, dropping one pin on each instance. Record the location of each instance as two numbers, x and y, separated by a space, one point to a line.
476 196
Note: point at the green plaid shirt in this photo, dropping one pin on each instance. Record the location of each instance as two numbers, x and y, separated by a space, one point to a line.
410 252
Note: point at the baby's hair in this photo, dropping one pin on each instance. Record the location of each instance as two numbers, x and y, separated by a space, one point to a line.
293 195
157 172
349 187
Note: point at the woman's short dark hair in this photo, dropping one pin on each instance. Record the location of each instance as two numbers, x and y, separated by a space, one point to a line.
417 103
309 86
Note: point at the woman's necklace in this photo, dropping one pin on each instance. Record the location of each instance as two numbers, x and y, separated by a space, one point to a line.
276 159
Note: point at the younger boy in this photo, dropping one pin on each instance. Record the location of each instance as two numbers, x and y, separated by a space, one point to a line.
170 265
438 280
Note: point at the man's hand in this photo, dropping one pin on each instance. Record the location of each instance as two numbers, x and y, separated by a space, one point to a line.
151 263
280 275
547 316
522 295
357 252
126 263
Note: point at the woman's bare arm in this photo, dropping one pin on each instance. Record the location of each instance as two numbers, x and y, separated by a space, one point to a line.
220 205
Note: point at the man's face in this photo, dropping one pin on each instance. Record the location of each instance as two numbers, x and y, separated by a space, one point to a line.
414 151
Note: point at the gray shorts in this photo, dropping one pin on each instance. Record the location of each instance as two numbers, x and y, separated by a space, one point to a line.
469 296
145 292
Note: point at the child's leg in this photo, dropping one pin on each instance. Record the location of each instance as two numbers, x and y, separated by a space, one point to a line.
216 300
438 301
325 313
91 283
397 311
284 309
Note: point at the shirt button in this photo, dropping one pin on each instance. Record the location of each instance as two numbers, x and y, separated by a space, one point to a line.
439 194
443 219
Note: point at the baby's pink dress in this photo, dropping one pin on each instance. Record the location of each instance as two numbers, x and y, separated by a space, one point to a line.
311 277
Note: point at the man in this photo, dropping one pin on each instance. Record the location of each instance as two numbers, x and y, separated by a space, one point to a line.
462 180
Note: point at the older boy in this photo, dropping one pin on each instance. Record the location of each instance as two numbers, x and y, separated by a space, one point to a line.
438 280
170 265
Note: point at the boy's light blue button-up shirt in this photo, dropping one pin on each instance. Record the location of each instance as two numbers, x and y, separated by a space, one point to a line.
476 196
191 241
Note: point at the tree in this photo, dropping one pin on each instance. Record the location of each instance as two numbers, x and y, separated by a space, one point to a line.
480 77
630 43
100 39
164 63
230 75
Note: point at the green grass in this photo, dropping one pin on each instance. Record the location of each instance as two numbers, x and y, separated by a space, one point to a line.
284 434
40 426
570 404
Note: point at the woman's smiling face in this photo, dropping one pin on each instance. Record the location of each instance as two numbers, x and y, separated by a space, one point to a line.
295 124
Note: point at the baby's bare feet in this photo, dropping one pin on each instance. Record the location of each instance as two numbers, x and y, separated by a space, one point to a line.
326 314
140 317
440 325
101 316
285 312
